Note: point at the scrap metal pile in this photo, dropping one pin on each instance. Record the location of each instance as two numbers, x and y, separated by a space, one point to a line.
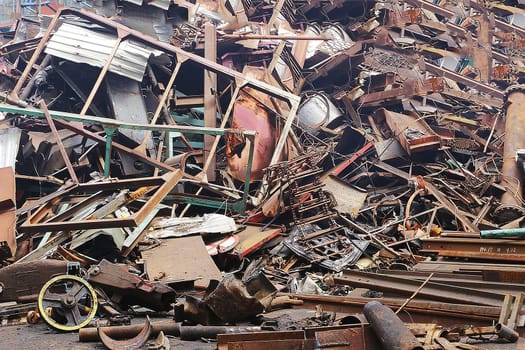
333 157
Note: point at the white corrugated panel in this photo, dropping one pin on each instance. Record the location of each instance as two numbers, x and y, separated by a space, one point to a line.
9 140
82 45
163 4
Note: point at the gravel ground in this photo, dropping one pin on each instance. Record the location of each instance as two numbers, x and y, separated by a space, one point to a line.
41 337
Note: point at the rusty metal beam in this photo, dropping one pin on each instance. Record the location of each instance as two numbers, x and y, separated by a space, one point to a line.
169 181
447 314
102 140
121 34
462 79
487 249
440 10
210 97
60 145
188 101
431 290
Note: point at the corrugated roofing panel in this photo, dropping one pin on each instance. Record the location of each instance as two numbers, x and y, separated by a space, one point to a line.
163 4
82 45
9 141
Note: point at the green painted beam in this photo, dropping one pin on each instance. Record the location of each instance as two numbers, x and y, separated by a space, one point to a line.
108 123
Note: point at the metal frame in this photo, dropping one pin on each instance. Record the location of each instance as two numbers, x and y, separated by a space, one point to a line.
111 125
181 55
165 183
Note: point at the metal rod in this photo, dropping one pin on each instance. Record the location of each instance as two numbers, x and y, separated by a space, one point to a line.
223 124
102 74
415 293
210 102
160 105
59 143
512 232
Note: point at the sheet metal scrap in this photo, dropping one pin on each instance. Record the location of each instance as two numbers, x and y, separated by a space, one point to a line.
127 288
410 110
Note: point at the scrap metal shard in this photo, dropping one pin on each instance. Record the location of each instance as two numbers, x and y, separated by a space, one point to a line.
130 344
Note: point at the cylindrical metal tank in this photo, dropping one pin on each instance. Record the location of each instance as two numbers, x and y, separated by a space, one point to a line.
316 111
511 178
390 330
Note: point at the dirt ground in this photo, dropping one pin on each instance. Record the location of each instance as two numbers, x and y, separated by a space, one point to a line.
41 337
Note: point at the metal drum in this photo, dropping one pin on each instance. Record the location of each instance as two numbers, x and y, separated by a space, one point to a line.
316 111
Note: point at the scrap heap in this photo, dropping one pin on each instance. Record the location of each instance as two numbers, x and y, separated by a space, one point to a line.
327 156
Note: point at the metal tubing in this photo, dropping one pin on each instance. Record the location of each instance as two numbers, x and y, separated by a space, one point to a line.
168 327
514 140
506 333
390 330
211 332
210 96
512 232
126 332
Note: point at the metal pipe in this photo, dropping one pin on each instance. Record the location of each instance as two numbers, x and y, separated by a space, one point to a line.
511 200
390 330
168 327
506 333
512 232
210 332
126 332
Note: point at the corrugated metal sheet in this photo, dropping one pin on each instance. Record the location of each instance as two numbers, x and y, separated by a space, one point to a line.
82 45
9 141
163 4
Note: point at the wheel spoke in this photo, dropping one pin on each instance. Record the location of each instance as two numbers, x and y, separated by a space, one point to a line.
76 315
77 290
50 296
51 303
70 318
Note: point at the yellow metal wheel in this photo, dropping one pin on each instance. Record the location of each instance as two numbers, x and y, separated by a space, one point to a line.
67 303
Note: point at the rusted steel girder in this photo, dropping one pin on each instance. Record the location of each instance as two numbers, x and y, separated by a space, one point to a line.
390 330
431 290
448 314
440 10
511 201
488 249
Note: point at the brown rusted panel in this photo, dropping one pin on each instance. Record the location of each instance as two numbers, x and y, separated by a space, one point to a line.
413 133
273 344
224 340
341 339
7 213
128 288
19 280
